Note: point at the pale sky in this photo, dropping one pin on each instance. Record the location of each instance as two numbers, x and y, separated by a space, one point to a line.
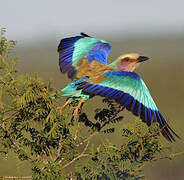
28 20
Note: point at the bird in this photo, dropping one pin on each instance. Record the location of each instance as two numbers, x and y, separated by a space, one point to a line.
84 59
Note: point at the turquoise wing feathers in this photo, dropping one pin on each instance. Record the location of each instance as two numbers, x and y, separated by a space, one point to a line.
129 90
72 49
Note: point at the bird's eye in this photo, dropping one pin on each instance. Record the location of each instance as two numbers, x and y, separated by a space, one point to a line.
126 59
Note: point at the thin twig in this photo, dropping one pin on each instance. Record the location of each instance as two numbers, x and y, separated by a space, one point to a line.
169 156
94 134
60 146
78 157
157 132
49 153
75 137
177 154
139 168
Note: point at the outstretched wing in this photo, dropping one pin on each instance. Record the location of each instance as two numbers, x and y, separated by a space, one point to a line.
72 49
128 89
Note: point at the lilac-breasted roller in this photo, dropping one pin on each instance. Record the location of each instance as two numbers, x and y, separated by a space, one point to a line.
84 58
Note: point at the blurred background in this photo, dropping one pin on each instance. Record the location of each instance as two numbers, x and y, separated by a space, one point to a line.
151 28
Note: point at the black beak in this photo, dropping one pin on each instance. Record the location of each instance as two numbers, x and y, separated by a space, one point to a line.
142 58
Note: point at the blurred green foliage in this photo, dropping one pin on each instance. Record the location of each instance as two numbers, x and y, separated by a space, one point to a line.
57 147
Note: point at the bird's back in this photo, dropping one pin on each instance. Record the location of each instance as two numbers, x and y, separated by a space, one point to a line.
93 69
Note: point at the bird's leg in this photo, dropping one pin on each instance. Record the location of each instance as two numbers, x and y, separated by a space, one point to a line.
63 106
77 109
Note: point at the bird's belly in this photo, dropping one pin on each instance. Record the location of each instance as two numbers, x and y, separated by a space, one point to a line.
71 91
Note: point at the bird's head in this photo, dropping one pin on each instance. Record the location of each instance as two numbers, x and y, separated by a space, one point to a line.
128 62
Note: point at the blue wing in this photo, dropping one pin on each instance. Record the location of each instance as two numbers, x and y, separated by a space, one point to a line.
128 89
72 49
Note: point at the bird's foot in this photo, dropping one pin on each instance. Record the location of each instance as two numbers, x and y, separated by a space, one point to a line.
77 110
63 106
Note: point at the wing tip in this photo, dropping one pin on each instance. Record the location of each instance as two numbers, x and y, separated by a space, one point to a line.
165 129
168 130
